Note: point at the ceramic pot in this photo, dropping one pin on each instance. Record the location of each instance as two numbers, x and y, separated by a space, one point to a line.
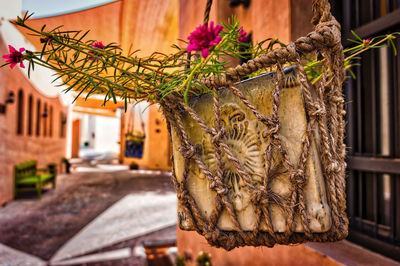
246 136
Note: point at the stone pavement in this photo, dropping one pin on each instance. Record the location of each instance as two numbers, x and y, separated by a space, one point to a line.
132 216
12 257
141 205
118 254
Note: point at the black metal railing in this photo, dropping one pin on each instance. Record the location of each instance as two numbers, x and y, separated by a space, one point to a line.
373 128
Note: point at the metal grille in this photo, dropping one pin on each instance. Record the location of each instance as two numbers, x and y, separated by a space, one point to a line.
373 129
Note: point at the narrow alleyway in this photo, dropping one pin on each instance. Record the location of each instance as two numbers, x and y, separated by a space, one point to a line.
43 227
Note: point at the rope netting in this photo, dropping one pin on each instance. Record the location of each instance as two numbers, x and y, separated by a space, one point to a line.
324 108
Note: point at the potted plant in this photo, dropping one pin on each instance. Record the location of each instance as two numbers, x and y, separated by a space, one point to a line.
257 161
133 166
180 261
67 165
203 259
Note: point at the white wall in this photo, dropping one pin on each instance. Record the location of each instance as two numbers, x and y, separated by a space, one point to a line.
107 134
101 132
10 9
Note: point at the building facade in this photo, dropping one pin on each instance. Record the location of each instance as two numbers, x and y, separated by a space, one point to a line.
32 126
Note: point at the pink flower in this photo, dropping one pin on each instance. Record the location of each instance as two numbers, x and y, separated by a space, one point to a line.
366 42
203 38
242 35
97 45
15 57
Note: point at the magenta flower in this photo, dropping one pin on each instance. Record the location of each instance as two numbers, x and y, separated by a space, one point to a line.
97 45
242 35
203 38
366 42
15 57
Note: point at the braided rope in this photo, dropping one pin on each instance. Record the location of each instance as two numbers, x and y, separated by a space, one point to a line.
207 12
324 108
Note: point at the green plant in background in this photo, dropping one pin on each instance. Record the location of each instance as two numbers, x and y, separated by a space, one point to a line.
137 137
90 67
203 259
180 261
313 67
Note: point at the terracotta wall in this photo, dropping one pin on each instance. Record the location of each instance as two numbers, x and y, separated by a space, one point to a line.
149 26
102 21
265 19
286 20
301 14
192 243
16 148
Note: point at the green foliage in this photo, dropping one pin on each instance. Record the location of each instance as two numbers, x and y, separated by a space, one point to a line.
180 261
204 259
88 70
313 67
137 138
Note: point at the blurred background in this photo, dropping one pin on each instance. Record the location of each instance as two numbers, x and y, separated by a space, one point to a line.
108 197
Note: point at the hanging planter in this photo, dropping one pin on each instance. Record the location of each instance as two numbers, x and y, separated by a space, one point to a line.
255 158
256 161
134 147
261 161
134 139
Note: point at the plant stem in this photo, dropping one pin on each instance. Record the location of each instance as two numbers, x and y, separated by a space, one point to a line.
390 36
368 47
200 65
121 58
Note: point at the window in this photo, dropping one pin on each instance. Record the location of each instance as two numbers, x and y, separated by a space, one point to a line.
38 117
30 114
373 129
20 112
51 122
44 118
63 121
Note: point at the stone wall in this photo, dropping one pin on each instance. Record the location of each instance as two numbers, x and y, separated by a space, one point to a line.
16 148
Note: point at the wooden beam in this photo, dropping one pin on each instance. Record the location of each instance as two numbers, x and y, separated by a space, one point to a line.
94 111
371 164
97 104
